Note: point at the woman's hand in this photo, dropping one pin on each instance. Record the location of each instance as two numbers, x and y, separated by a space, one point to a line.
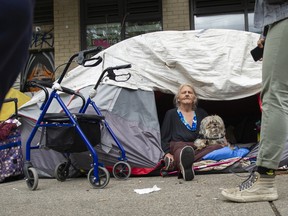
260 42
169 156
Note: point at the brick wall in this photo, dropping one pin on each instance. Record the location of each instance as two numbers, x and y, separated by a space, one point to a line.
176 15
66 31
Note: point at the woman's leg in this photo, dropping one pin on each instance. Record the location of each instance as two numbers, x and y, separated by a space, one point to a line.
175 148
183 157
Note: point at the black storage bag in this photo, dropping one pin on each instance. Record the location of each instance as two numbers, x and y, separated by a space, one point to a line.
66 139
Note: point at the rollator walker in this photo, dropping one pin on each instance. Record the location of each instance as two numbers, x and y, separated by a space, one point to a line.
79 131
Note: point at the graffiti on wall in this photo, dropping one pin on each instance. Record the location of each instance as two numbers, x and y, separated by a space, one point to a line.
42 39
40 66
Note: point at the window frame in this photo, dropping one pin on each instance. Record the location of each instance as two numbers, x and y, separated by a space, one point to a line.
122 11
215 7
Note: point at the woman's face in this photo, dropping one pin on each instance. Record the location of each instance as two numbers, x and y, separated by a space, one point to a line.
186 96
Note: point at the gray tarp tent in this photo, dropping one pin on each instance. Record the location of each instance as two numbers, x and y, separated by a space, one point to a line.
216 61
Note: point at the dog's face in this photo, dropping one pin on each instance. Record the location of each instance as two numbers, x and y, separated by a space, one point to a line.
212 127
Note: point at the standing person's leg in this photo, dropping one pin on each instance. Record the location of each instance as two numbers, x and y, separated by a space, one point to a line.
16 30
274 124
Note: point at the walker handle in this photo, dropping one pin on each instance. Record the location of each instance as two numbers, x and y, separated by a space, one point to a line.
82 57
35 84
111 74
63 89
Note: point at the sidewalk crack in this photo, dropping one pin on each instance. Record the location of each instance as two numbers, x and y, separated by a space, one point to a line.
275 210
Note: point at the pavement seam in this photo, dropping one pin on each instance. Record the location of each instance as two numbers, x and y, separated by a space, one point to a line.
275 210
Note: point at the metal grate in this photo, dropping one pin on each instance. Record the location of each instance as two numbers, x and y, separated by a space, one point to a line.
221 6
43 12
109 11
144 10
102 11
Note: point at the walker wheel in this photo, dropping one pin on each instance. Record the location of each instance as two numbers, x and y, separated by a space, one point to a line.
32 178
61 172
121 170
104 178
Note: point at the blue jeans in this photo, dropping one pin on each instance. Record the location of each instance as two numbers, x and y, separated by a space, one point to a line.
274 123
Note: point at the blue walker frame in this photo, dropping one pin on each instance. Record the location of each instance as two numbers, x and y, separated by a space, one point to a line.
31 175
122 169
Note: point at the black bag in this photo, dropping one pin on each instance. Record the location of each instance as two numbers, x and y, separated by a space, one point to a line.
66 139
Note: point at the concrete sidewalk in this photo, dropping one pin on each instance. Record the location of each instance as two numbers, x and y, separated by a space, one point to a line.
200 197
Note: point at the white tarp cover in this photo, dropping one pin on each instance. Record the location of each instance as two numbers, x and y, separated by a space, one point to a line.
216 61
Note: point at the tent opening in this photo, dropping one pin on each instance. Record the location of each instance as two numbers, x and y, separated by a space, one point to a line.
241 116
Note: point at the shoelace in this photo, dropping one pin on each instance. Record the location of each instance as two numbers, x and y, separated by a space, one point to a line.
248 182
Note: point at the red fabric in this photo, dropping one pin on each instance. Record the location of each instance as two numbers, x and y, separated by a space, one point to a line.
137 171
260 102
5 129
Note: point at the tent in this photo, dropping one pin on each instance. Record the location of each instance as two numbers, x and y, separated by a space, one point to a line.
216 61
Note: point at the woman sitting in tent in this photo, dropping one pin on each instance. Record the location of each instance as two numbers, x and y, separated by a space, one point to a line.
179 129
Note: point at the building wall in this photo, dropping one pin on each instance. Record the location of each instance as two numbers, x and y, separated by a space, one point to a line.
66 30
176 15
67 25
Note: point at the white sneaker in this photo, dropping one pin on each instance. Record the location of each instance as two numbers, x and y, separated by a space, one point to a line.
256 188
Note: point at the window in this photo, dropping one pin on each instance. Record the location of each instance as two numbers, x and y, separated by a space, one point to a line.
223 21
137 28
251 27
43 12
103 34
106 22
232 14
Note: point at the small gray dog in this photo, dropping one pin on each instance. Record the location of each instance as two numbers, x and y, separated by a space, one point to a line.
212 132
